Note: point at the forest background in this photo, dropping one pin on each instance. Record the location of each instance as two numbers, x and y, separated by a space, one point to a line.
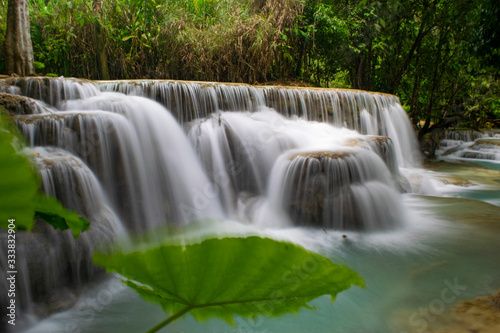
440 57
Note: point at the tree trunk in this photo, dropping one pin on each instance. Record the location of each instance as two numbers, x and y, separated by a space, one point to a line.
100 42
18 48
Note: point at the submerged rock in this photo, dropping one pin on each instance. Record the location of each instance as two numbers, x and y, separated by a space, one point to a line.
480 315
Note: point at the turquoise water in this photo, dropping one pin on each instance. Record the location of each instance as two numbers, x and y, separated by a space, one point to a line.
409 273
489 165
439 256
489 194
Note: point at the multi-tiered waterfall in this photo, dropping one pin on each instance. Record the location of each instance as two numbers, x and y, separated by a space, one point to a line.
467 144
134 155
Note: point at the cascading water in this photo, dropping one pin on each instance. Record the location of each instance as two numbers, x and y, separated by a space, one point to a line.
341 190
269 156
240 151
50 90
470 145
51 260
137 150
367 113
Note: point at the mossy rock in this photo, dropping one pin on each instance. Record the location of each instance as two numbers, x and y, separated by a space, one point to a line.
320 155
490 142
18 105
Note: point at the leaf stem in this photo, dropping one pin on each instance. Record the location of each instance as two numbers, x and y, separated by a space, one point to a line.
170 319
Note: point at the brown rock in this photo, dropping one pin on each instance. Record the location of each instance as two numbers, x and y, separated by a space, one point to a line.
17 105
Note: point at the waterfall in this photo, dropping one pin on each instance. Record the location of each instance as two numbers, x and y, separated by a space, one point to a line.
367 113
135 155
52 90
470 145
138 151
342 190
240 150
49 260
155 172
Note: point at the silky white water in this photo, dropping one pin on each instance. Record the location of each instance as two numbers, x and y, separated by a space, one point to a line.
303 165
405 272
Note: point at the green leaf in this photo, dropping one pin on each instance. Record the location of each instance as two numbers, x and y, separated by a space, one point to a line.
18 183
51 211
230 276
38 65
20 198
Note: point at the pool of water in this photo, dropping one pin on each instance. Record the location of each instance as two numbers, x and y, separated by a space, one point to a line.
446 251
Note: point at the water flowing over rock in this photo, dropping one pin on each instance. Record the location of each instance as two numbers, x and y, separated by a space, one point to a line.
382 146
52 90
368 113
342 190
151 153
19 105
137 150
462 135
474 145
151 173
47 259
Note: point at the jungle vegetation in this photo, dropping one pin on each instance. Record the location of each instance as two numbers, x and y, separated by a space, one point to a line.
441 57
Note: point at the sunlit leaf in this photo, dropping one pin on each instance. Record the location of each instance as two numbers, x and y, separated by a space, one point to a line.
230 276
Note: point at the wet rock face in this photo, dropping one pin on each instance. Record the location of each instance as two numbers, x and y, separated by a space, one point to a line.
18 105
431 141
341 190
318 190
382 146
487 142
52 90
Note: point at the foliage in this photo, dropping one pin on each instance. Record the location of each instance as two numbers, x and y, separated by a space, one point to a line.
224 40
426 52
482 105
20 198
229 276
3 29
19 182
50 210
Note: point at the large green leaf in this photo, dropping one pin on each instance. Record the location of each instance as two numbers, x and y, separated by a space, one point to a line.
230 276
18 180
51 211
20 198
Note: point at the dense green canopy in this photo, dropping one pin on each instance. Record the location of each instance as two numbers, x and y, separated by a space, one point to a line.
441 57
